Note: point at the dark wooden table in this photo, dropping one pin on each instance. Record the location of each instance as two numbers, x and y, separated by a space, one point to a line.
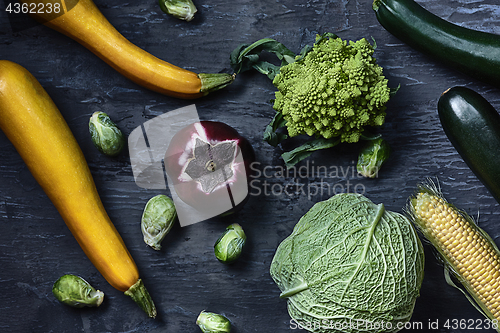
184 278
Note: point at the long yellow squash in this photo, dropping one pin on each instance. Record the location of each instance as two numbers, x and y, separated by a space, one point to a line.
85 23
36 128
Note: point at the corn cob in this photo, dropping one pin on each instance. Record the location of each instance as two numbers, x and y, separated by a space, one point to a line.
467 250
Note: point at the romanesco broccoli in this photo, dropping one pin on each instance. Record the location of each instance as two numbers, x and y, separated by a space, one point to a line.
335 90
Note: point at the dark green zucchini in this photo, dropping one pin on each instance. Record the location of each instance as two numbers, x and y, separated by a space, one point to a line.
472 52
473 127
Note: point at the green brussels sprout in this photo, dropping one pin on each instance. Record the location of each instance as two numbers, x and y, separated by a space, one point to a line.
372 156
213 323
76 292
181 9
230 244
157 220
106 136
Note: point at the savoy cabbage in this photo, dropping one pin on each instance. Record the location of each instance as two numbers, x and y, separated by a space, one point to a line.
350 266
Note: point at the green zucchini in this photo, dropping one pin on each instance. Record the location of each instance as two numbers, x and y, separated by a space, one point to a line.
470 51
473 127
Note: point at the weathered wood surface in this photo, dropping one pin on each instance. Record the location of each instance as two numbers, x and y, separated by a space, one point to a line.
184 278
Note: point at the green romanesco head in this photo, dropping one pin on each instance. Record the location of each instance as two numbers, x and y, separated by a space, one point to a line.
334 91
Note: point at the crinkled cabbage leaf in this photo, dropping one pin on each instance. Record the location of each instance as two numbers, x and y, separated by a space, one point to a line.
350 266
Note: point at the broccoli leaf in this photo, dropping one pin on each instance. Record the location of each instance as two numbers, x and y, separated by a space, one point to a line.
303 52
270 135
247 56
394 90
298 154
326 35
266 68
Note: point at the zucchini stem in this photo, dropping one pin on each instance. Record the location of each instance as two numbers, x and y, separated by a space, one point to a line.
141 296
375 5
215 81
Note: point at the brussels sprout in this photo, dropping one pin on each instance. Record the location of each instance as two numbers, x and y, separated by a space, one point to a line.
106 136
230 244
213 323
372 156
75 291
157 220
181 9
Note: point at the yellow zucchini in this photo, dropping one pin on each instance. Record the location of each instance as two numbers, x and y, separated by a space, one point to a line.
36 128
87 25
